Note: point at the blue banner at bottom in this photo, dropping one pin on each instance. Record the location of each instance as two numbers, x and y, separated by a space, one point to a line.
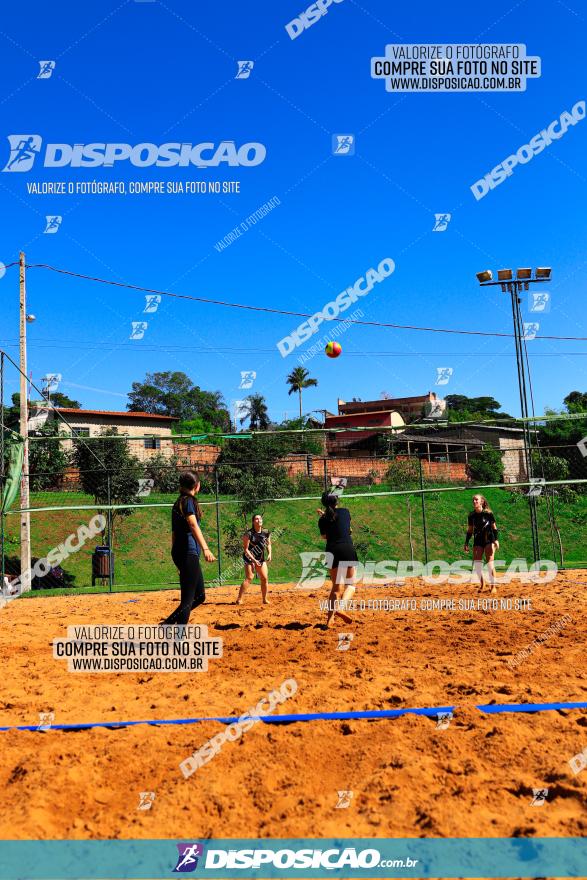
304 858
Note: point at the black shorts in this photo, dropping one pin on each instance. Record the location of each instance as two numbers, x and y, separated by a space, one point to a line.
342 553
248 561
480 541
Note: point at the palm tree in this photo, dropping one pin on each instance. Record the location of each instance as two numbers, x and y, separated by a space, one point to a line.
256 412
300 378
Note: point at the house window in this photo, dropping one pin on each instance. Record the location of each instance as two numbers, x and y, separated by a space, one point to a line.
152 443
80 432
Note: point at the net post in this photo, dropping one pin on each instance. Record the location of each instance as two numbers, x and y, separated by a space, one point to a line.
218 551
423 513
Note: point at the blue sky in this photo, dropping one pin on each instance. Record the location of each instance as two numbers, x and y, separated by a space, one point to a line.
156 72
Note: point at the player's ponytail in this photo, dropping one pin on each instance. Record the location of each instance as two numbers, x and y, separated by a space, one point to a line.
188 480
329 501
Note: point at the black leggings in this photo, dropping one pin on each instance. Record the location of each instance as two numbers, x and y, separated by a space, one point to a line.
191 581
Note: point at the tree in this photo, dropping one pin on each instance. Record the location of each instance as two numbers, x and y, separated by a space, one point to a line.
576 402
487 466
59 399
249 470
468 409
108 472
256 412
174 394
298 379
47 458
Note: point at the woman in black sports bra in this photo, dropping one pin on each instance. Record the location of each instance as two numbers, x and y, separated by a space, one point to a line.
482 528
256 555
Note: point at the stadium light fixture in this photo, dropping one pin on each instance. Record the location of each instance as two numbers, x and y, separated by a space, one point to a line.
504 274
524 274
544 273
487 275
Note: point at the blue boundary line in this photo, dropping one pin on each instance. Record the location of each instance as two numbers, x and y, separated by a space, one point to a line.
370 714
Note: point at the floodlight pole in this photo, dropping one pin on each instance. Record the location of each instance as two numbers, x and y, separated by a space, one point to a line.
25 517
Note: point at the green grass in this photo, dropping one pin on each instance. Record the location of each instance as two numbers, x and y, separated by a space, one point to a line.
142 540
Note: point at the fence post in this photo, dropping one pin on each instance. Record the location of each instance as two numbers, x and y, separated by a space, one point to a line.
218 556
423 513
325 467
110 572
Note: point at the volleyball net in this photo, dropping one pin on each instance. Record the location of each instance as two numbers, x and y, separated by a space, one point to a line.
406 504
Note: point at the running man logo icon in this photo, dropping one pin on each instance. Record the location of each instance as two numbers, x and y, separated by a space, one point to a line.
152 302
582 446
539 796
441 222
24 148
187 860
314 567
244 69
46 719
53 223
530 330
247 378
540 302
344 800
443 375
443 720
343 145
578 762
146 800
47 68
138 329
145 487
536 486
344 641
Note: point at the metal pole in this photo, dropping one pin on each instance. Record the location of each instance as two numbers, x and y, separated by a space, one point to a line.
25 518
110 571
423 513
2 483
218 551
325 469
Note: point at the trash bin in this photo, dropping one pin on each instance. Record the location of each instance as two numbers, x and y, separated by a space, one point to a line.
102 558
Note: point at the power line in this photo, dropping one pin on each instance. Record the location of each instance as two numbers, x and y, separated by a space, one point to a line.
272 311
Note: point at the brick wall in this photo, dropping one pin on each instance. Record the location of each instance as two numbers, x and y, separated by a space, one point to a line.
367 469
513 460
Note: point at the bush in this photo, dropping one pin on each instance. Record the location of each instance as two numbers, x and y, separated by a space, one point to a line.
402 474
487 466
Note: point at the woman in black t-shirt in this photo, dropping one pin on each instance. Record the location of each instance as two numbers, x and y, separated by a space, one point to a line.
482 527
186 541
335 526
256 555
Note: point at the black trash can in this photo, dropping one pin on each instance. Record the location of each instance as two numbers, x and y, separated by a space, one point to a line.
102 559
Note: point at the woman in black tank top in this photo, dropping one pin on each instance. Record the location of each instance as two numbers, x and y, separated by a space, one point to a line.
256 555
335 526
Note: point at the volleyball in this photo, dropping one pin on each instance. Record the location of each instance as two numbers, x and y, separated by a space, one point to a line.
333 349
